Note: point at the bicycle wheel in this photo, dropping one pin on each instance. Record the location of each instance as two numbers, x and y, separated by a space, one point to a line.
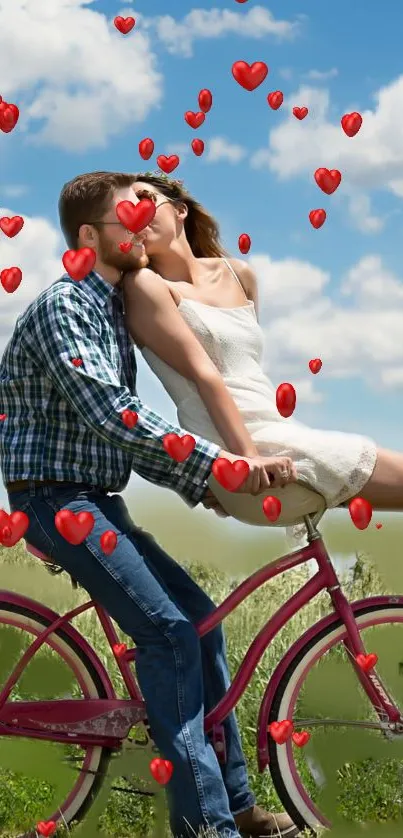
347 772
39 780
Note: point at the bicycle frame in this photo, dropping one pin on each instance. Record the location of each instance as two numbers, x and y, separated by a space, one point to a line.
106 722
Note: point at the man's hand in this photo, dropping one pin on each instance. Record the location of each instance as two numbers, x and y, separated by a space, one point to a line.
210 502
264 473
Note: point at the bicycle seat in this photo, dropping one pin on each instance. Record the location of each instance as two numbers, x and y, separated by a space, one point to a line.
31 549
297 501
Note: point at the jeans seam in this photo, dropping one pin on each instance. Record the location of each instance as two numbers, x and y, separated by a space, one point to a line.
51 549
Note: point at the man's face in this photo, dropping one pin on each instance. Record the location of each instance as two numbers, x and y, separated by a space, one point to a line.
110 233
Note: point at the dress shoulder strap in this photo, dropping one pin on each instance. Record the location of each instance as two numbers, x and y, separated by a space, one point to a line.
235 276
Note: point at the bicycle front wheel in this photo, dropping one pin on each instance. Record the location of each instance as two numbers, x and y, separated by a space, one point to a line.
349 770
40 780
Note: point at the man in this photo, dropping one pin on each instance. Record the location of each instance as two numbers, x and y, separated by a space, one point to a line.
67 376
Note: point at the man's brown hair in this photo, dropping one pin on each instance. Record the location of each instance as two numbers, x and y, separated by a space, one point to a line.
87 198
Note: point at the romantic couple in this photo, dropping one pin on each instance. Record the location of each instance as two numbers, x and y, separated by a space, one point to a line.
193 314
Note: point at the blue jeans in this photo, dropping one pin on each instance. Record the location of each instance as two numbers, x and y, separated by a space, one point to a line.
181 676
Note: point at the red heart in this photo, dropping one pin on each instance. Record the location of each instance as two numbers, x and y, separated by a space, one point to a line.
13 527
179 448
195 120
3 416
317 218
108 541
300 739
74 527
46 828
275 99
351 123
135 217
286 399
119 649
281 731
249 76
328 179
272 508
378 526
11 226
168 164
161 769
205 100
125 247
361 512
8 117
315 365
124 24
230 475
198 147
300 113
244 243
129 418
146 148
77 362
10 279
367 662
79 263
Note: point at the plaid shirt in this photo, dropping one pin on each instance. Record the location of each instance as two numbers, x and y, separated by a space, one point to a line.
63 422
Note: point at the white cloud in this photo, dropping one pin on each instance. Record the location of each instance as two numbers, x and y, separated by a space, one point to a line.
256 22
77 80
220 149
322 75
13 190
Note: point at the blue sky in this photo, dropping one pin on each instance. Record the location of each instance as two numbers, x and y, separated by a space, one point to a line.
337 292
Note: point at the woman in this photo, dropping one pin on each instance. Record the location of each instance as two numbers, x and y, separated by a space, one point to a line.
193 314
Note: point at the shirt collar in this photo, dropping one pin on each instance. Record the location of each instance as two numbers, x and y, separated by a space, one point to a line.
96 287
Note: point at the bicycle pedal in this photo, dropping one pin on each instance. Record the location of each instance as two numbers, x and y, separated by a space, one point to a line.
217 737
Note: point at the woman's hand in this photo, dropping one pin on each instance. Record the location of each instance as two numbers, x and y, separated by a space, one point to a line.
265 473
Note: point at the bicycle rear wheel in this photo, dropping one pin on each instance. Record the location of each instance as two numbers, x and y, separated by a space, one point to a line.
44 781
347 772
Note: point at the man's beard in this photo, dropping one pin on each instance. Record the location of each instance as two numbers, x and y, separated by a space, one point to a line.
123 262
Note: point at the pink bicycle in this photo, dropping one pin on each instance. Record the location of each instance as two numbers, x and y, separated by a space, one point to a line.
92 723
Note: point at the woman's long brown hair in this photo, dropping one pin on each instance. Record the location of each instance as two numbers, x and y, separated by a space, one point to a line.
202 231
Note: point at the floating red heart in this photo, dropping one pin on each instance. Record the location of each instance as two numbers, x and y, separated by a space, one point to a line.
195 120
179 448
317 218
360 512
124 24
13 527
46 828
125 247
168 164
3 416
351 123
275 99
205 100
162 770
135 217
108 541
77 362
281 731
315 365
328 179
129 418
10 279
79 263
74 527
286 399
378 526
300 113
230 475
272 508
198 147
119 649
8 117
249 76
244 243
300 739
367 662
146 148
11 226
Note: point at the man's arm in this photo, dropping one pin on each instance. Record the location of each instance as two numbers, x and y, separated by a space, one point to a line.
67 327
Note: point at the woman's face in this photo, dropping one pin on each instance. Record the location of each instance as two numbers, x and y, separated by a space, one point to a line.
167 223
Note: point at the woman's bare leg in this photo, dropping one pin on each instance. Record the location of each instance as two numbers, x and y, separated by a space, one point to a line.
384 489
